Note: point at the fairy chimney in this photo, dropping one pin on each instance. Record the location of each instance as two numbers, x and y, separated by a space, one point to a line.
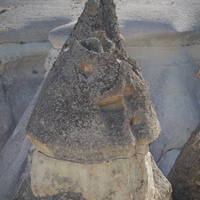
94 119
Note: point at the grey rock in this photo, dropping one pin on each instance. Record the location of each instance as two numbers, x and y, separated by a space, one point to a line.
50 59
7 123
149 22
94 119
185 174
157 30
94 105
54 177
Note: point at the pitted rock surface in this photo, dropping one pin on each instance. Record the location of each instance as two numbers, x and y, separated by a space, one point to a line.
94 105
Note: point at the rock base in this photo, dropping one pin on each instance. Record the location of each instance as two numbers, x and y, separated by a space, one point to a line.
132 178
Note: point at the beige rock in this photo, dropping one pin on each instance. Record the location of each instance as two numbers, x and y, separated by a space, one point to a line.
118 179
94 118
95 104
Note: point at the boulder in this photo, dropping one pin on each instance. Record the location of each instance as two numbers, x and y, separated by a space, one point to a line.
89 99
185 174
94 119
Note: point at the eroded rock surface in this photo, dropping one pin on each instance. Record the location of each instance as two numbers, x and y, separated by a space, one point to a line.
94 118
94 89
185 174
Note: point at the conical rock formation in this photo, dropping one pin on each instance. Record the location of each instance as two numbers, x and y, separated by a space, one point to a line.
94 105
94 119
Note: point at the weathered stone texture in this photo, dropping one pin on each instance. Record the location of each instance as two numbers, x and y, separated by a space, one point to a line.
94 119
119 179
95 104
185 174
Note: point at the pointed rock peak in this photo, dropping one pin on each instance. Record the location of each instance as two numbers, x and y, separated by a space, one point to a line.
99 19
94 105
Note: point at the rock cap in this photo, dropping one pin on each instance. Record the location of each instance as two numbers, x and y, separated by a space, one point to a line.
95 104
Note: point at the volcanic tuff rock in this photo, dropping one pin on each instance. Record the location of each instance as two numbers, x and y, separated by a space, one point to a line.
94 117
185 174
163 36
94 89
